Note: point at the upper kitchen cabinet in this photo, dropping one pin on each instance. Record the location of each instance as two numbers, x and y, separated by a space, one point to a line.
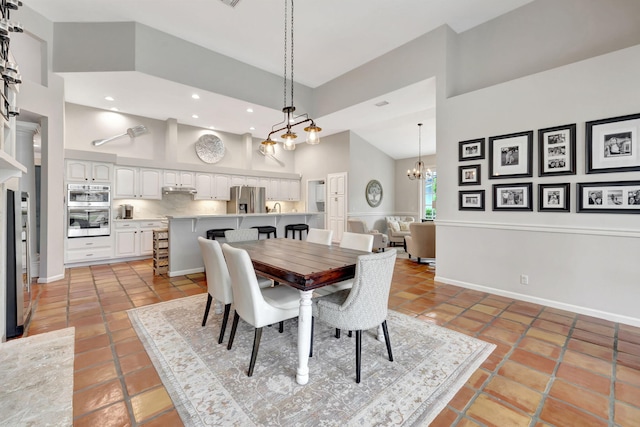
173 178
289 190
90 172
137 183
237 180
212 187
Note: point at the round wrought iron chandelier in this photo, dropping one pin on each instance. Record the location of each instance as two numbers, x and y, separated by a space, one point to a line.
419 171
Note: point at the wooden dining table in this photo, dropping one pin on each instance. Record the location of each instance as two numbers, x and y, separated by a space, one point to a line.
305 266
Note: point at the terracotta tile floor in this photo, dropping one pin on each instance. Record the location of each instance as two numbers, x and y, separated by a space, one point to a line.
550 368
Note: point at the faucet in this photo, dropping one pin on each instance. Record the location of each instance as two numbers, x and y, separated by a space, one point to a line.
278 205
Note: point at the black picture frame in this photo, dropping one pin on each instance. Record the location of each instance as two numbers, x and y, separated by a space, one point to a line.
612 144
472 200
472 149
557 150
513 197
620 197
511 155
469 174
554 197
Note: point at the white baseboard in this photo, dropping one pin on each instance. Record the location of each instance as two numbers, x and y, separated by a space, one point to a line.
50 279
184 272
632 321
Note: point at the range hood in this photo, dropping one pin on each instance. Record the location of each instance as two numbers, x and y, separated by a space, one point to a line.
176 190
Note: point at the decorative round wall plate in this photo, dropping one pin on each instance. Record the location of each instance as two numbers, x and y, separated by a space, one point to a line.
210 148
374 193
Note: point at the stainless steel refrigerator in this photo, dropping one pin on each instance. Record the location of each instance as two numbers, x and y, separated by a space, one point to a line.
247 200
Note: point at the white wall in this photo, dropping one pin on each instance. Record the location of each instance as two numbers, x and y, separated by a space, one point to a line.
584 262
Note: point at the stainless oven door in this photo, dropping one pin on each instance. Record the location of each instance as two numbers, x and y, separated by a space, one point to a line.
88 221
80 195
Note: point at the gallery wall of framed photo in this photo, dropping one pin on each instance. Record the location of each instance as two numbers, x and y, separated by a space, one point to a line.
611 145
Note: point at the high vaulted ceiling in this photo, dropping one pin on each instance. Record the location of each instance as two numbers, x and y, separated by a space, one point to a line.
332 37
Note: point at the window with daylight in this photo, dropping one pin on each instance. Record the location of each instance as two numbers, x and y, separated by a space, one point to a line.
430 185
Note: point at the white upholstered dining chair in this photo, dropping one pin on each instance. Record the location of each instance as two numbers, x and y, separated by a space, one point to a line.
320 236
364 306
219 281
258 307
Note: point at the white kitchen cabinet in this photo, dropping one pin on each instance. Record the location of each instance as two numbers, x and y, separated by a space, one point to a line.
173 178
237 180
135 238
253 181
90 172
137 183
289 190
212 187
86 249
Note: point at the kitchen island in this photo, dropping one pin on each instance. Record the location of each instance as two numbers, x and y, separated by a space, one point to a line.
184 252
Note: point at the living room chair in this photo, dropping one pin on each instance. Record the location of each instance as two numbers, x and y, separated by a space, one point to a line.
398 228
320 236
219 281
364 306
421 242
258 307
380 240
241 235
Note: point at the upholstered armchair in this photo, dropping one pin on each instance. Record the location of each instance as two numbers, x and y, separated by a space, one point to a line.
398 228
380 240
421 243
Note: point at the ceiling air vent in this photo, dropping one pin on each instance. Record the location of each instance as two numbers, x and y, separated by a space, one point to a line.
231 3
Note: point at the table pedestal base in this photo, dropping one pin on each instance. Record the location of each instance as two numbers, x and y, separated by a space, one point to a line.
304 337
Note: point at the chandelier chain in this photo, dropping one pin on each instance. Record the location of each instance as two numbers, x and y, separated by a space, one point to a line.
292 52
285 53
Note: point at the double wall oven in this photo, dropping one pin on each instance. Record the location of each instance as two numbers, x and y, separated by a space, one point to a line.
88 210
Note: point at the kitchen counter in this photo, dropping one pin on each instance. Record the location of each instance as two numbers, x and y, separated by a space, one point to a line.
184 230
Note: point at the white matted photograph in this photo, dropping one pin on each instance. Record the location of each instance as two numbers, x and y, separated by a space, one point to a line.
471 200
612 144
609 197
557 150
554 197
512 197
511 155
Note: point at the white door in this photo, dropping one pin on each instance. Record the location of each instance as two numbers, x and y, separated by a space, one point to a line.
204 186
126 184
336 204
150 184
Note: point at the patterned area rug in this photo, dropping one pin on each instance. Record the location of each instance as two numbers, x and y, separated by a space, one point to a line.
36 378
209 385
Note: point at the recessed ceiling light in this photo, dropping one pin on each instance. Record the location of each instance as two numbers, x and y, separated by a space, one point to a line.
249 110
114 109
195 116
109 98
195 96
212 127
252 128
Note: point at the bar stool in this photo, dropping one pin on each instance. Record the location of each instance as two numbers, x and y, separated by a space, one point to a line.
268 230
295 227
216 232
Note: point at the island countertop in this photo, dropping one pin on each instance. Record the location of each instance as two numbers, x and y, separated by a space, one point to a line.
250 215
184 230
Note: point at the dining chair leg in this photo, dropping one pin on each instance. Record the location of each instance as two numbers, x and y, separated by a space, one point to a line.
234 326
206 309
387 340
281 329
311 344
358 354
337 333
254 353
225 319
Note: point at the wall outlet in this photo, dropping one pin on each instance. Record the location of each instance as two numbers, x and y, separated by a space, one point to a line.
524 279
